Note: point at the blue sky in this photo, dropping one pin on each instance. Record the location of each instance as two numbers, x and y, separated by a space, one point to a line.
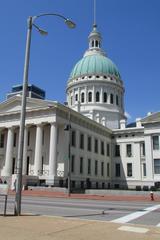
131 38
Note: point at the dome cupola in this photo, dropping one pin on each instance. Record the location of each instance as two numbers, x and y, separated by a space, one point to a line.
95 39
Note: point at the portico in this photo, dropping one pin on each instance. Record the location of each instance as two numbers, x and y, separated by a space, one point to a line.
35 146
40 141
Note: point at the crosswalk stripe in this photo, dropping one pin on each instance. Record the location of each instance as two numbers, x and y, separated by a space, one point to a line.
135 215
133 229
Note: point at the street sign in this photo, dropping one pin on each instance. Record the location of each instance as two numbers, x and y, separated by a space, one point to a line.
4 189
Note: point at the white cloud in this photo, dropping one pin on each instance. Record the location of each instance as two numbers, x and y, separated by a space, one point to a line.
127 115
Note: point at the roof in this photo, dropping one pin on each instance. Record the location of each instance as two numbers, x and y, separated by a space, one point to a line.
152 118
94 64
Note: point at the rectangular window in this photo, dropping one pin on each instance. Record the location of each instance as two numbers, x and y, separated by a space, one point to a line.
129 150
27 171
102 148
82 141
117 150
28 140
73 138
118 170
144 170
142 149
89 144
157 166
96 146
129 169
108 170
108 150
72 163
81 165
42 166
14 139
89 166
155 142
43 137
102 168
96 167
2 141
13 165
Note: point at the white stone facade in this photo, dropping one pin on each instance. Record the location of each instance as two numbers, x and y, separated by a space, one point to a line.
46 144
94 160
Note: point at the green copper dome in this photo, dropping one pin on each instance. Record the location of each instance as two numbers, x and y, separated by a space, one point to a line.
94 64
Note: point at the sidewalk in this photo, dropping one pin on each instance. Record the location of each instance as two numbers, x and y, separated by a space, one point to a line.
54 228
40 193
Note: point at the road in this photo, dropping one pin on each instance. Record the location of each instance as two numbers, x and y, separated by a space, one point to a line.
120 212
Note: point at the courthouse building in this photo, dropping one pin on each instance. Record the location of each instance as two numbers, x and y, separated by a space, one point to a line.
90 131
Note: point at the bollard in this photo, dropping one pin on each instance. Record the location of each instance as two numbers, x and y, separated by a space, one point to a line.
152 196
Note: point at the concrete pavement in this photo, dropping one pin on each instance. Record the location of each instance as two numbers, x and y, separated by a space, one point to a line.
58 228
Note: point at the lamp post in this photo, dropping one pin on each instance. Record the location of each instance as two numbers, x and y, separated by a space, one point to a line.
68 128
30 22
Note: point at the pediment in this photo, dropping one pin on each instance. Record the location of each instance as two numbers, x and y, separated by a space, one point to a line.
152 118
14 104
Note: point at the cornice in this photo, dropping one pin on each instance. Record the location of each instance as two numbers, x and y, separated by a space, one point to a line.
128 131
83 121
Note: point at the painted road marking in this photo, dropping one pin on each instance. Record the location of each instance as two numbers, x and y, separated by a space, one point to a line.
133 229
135 215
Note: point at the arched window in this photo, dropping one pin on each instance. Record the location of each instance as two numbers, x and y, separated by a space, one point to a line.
96 43
111 98
117 100
97 96
90 97
76 97
92 43
104 97
82 97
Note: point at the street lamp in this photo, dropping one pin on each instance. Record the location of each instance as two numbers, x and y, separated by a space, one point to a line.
68 128
31 20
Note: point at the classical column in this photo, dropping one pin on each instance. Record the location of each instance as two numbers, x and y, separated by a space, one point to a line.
79 98
86 94
9 157
38 150
25 151
93 95
53 150
73 100
101 95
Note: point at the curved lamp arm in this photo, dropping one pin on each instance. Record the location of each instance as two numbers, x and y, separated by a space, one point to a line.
68 22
